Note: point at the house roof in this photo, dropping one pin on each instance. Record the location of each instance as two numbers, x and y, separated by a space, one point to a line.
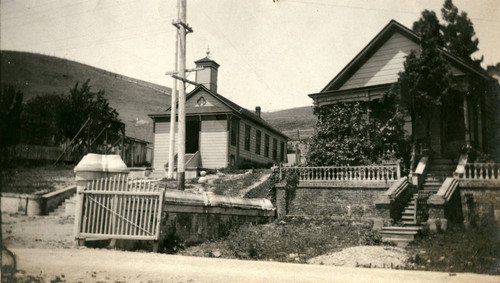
234 108
392 27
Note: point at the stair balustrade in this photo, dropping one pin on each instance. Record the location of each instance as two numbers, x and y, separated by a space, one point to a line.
480 171
372 173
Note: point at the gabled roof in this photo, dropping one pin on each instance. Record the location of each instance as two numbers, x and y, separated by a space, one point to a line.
235 108
392 27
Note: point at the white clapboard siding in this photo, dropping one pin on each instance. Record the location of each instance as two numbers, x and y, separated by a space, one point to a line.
383 67
251 154
161 144
213 149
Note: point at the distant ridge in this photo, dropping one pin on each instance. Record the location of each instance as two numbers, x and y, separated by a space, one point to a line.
37 74
296 123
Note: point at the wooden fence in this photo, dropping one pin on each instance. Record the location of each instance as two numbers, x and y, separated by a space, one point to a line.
349 173
39 153
119 208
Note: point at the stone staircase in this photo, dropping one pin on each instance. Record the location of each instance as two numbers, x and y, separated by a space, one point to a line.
405 233
439 170
66 208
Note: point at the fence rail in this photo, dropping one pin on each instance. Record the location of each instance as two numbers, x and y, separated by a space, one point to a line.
480 171
38 152
119 208
349 173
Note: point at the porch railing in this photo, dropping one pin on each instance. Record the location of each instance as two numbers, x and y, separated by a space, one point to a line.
376 173
480 171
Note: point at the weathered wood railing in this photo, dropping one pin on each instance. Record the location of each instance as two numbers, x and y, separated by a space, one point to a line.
374 173
421 211
119 208
480 171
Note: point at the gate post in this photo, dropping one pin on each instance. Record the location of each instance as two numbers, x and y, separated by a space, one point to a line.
78 217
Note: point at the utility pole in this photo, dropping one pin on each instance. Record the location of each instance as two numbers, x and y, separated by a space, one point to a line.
182 97
173 106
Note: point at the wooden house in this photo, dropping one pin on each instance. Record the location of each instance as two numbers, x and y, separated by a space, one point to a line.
219 133
470 122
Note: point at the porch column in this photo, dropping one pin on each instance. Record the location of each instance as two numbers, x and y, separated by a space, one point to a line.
480 124
466 122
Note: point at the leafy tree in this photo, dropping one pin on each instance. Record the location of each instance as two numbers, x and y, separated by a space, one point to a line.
11 105
459 34
84 104
43 118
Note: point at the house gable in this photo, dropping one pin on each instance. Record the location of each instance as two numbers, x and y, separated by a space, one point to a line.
384 65
377 66
201 101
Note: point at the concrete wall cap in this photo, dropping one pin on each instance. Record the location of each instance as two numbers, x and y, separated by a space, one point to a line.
101 163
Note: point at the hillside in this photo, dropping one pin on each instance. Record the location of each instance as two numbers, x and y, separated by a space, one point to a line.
36 74
290 120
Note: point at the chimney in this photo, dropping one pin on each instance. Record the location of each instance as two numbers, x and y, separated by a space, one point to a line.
207 76
257 110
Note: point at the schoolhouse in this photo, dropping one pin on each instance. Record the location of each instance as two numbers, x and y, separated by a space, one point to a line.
219 133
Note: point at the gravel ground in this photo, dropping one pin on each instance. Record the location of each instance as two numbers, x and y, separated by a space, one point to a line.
365 256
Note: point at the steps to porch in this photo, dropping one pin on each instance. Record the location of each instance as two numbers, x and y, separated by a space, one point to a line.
405 234
438 171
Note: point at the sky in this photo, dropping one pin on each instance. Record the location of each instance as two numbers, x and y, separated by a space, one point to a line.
272 54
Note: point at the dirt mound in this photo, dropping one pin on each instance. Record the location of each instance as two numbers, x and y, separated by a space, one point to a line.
364 256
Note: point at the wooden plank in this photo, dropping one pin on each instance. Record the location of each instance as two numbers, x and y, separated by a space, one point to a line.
124 237
141 215
119 193
159 215
150 211
136 214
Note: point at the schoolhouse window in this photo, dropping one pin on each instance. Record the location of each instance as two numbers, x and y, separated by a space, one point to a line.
257 141
282 151
247 137
275 149
266 146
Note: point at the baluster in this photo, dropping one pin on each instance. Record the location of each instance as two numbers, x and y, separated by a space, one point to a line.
481 171
467 171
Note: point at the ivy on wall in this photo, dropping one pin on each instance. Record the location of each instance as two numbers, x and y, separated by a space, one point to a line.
356 133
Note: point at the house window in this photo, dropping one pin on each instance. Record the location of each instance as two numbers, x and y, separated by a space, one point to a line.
266 146
257 141
234 131
282 151
275 149
247 137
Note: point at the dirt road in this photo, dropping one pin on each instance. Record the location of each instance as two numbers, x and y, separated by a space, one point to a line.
94 265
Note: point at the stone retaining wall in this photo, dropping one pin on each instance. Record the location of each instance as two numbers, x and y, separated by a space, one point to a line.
194 218
480 205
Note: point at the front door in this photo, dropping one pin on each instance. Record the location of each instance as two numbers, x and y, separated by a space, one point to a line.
192 136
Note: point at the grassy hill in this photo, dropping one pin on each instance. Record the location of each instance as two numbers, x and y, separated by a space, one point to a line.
36 74
289 121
